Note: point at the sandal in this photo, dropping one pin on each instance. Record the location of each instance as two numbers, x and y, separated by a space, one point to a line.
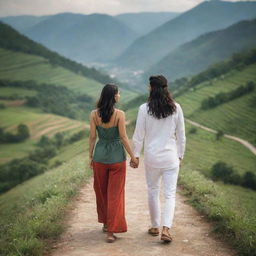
153 231
166 237
111 239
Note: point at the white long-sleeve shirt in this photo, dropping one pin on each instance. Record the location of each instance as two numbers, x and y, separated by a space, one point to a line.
164 139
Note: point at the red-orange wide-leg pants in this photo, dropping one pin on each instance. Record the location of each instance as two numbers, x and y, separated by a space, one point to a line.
109 186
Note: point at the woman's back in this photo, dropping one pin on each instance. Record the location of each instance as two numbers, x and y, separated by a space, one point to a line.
109 148
164 139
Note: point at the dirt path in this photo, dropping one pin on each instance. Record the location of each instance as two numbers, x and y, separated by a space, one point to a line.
83 236
243 142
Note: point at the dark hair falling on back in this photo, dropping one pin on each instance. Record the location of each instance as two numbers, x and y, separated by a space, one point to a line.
160 101
106 102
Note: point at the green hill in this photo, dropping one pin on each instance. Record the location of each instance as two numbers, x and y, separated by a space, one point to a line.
236 117
22 59
15 42
205 17
207 49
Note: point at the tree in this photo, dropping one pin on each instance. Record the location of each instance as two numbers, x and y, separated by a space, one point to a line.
23 132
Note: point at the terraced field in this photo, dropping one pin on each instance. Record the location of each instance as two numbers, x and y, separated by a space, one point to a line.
20 66
236 117
39 124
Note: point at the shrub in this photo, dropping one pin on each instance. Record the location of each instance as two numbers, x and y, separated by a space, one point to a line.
22 134
219 135
249 180
193 130
221 171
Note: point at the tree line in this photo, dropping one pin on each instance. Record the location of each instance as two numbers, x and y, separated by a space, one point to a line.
222 171
37 161
54 99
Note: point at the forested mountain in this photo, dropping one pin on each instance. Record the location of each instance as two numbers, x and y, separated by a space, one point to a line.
12 40
85 38
205 17
143 22
205 50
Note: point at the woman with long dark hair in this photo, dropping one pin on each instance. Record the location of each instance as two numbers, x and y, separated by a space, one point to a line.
160 126
108 161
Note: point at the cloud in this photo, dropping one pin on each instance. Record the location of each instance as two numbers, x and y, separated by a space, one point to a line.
42 7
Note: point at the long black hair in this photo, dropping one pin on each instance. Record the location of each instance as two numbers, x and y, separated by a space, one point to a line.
106 102
160 101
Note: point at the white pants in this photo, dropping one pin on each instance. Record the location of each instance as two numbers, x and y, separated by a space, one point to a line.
169 178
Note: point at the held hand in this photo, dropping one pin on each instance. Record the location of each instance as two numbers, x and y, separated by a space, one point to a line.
134 163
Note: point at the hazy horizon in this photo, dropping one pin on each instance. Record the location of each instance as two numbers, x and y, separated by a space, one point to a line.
112 7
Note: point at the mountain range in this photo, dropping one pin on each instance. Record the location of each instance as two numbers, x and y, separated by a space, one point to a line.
212 47
205 17
87 38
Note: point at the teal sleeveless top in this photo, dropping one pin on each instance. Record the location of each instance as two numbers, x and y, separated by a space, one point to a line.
109 149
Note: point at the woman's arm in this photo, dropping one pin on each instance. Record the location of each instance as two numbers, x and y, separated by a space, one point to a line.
92 138
139 132
123 136
180 133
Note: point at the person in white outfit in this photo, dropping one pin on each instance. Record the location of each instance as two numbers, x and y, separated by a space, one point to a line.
160 127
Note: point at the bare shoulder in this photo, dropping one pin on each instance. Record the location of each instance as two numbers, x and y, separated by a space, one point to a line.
93 113
120 112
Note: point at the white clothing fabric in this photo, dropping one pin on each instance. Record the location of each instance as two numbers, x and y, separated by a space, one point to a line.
169 179
164 139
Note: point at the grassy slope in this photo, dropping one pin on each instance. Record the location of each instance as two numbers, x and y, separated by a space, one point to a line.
20 66
8 91
37 205
236 117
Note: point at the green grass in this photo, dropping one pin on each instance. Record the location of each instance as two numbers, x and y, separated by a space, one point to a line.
236 117
204 150
217 200
31 213
230 208
8 91
20 66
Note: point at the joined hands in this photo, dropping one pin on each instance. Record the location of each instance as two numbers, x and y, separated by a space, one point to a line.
134 162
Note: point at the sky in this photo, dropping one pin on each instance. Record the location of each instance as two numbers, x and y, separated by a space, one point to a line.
112 7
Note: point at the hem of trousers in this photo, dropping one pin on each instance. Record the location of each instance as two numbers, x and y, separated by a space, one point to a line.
118 231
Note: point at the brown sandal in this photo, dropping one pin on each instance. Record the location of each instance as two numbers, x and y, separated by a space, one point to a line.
166 237
153 231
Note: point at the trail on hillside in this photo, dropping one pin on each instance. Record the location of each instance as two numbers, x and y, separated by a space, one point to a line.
83 236
242 141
